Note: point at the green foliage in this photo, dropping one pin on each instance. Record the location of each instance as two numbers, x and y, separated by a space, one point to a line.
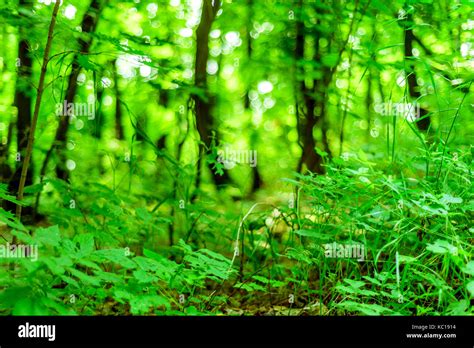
151 219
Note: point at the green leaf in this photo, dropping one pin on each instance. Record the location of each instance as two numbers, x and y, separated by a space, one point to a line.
215 255
356 284
459 308
33 189
146 264
10 296
54 266
364 308
313 234
24 237
84 62
470 287
469 268
70 281
406 259
273 283
250 287
143 214
448 199
29 306
143 304
144 277
84 278
88 264
299 255
4 195
442 247
116 256
109 277
10 220
56 305
48 236
86 243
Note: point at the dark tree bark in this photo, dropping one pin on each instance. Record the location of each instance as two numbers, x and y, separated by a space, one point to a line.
22 101
256 177
203 103
413 89
89 23
23 104
99 116
369 100
5 170
34 120
307 121
119 132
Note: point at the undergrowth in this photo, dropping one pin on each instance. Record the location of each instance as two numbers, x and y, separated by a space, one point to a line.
103 251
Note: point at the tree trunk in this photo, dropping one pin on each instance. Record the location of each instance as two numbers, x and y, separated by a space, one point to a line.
413 88
89 24
22 102
99 116
256 177
34 120
119 132
5 170
203 103
309 156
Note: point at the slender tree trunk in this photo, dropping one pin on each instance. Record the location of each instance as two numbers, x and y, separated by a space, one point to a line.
309 156
323 122
89 24
346 106
31 134
23 104
369 100
256 177
413 88
203 103
119 132
5 170
99 117
176 180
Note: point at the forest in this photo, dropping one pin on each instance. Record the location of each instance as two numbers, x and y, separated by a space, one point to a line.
236 157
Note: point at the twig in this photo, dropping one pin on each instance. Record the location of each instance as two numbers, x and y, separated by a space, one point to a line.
31 135
238 232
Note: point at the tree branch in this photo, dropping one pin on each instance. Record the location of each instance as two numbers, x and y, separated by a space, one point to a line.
31 134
